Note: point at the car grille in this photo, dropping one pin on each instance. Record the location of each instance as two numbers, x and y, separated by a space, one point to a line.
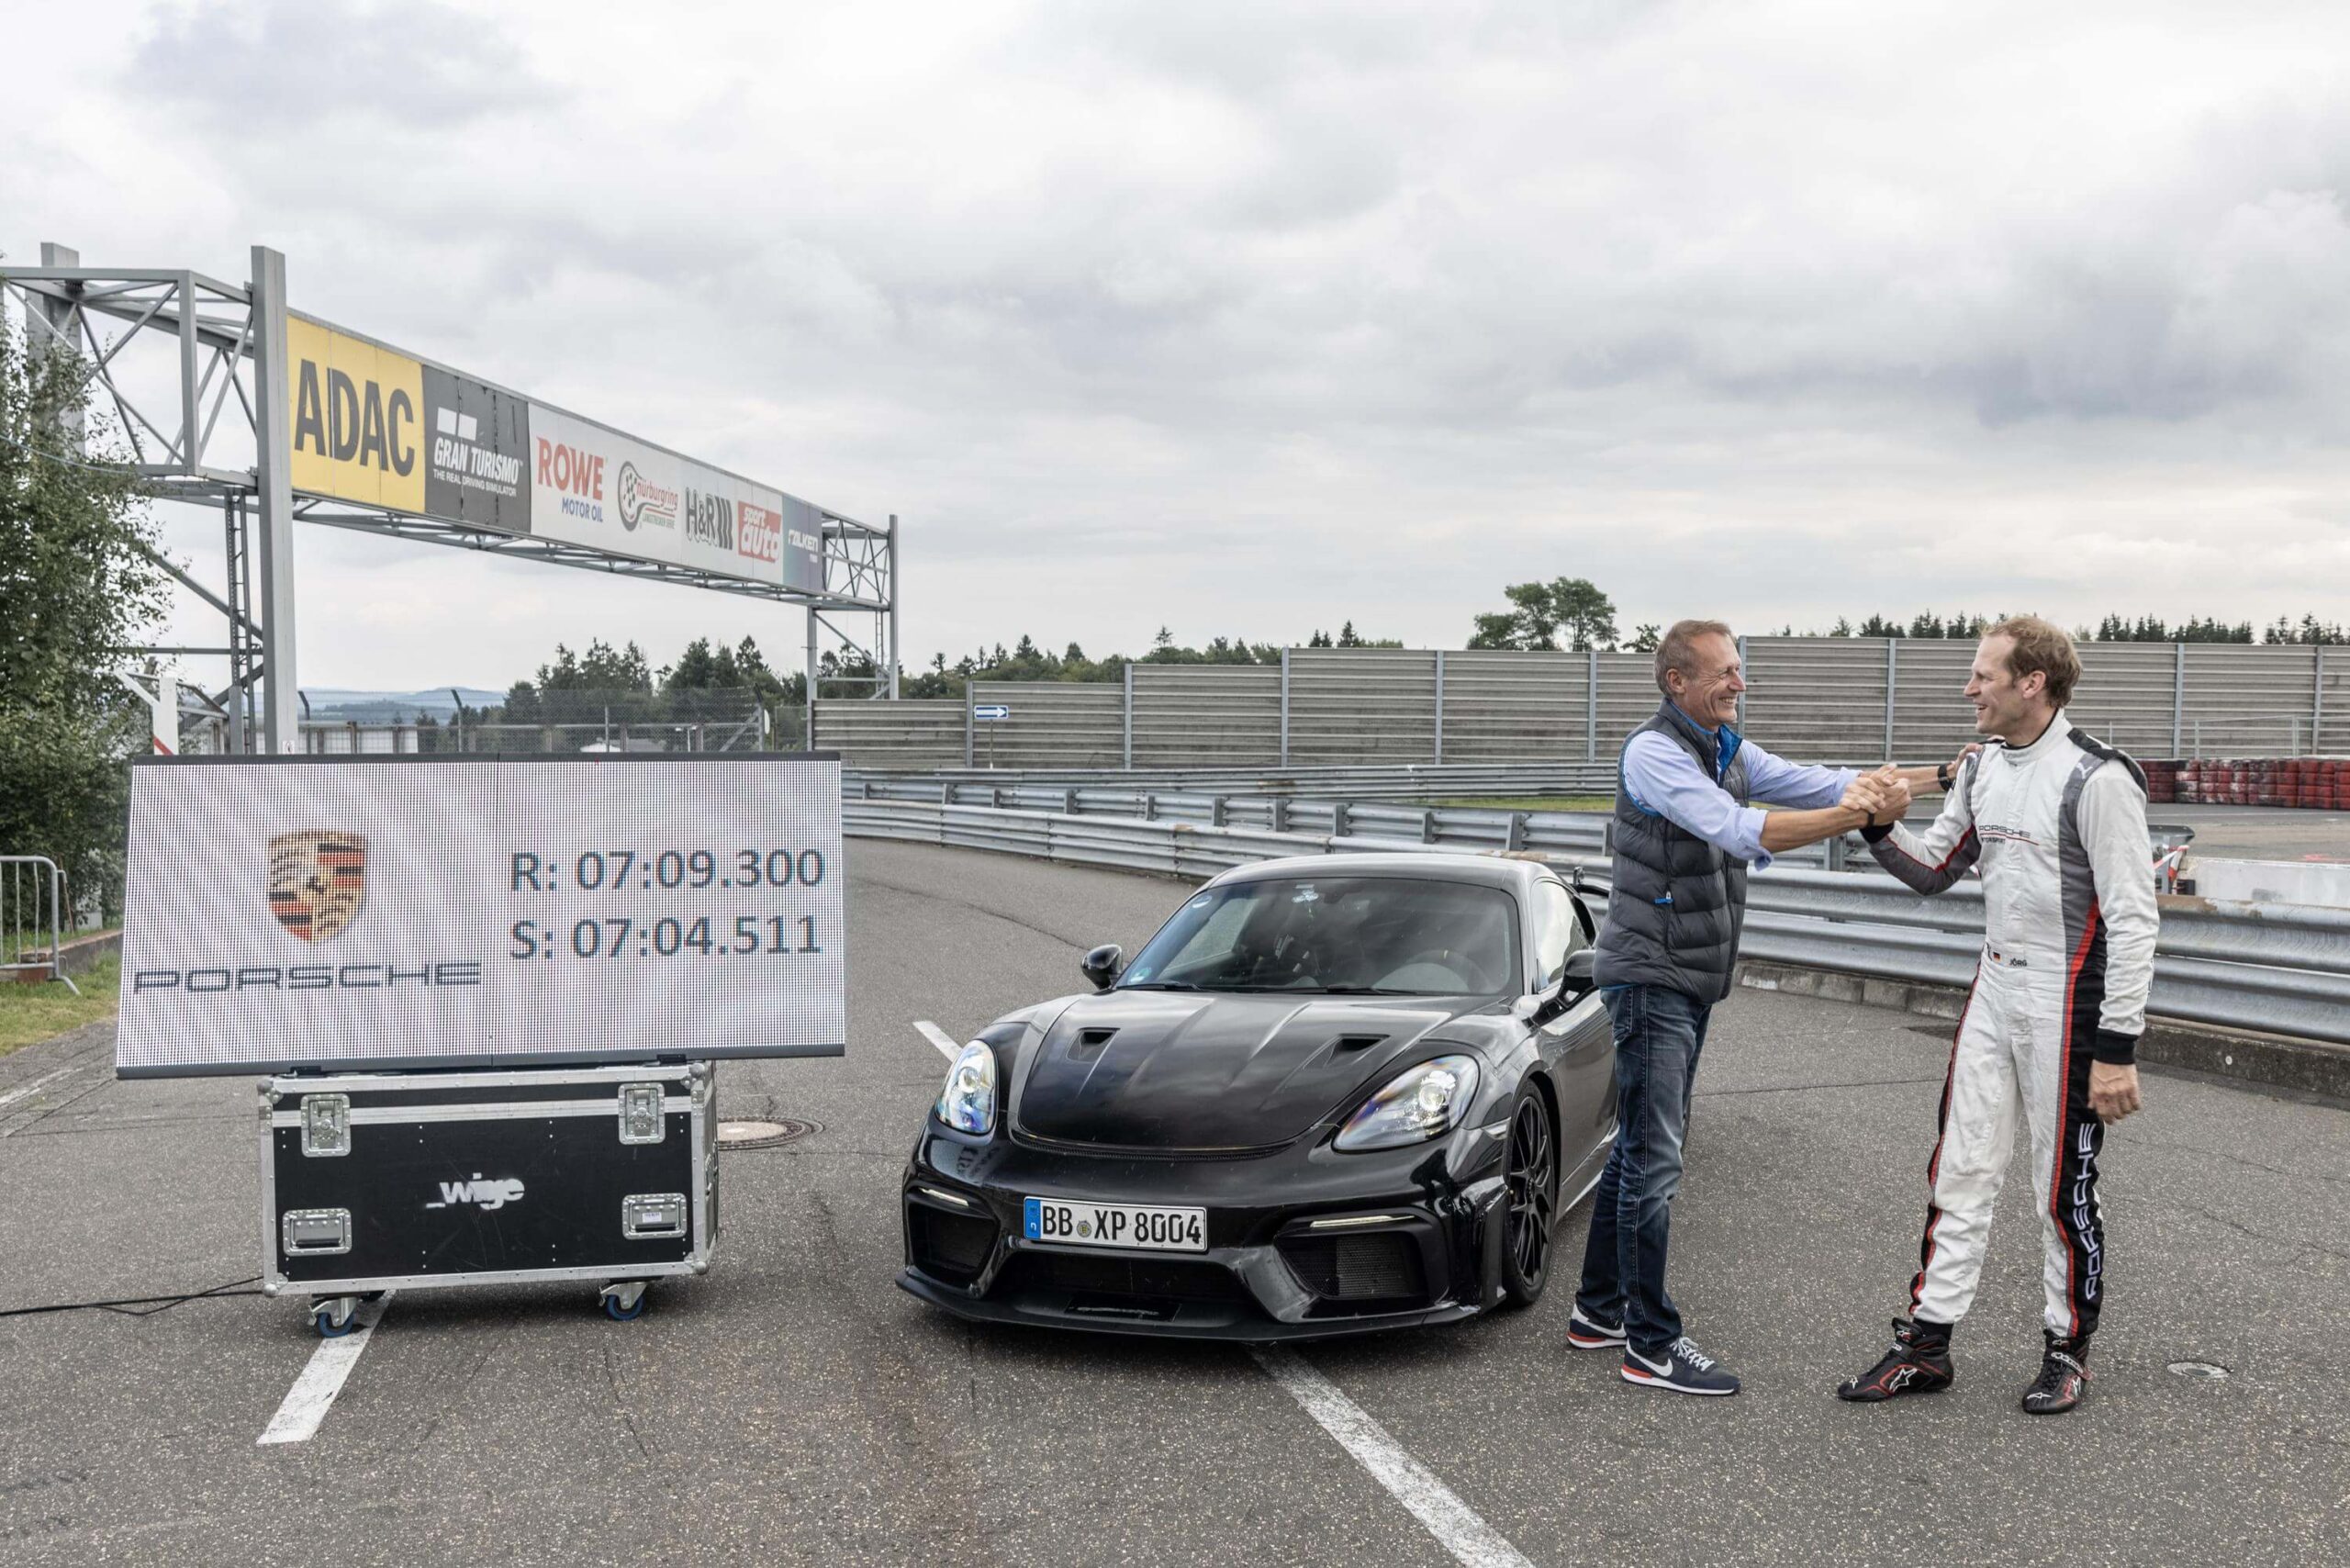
953 1248
1381 1267
1121 1287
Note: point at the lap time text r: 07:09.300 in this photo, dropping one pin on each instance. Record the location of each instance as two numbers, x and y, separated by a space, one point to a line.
631 871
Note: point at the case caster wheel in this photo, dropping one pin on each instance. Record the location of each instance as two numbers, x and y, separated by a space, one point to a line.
624 1300
336 1317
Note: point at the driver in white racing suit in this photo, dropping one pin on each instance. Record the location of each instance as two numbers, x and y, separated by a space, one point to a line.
2057 821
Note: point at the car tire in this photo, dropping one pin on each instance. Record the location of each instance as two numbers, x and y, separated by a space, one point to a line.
1529 1211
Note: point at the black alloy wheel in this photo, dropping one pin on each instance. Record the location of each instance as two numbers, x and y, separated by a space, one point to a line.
1531 1200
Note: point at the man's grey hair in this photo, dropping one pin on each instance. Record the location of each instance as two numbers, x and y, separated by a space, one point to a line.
1675 652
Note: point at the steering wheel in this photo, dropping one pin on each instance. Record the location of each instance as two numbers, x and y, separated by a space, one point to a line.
1460 964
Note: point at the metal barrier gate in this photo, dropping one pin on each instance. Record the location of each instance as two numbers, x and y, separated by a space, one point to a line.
32 885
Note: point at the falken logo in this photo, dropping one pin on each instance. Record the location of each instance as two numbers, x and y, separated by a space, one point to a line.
487 1193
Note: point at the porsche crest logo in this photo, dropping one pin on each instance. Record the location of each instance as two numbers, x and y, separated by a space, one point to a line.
317 882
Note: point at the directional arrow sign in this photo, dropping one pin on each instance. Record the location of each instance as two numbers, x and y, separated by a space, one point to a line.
991 712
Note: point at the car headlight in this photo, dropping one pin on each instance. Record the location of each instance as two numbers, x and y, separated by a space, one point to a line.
1421 1102
967 1102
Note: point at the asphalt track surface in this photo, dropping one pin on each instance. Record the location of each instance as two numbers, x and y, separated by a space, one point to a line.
794 1407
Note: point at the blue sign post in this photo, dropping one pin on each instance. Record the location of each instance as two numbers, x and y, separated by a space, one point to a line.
991 712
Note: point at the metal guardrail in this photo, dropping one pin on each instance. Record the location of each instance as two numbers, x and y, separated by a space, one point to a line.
1419 782
2270 968
31 887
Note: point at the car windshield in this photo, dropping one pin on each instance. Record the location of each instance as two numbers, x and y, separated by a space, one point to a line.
1349 936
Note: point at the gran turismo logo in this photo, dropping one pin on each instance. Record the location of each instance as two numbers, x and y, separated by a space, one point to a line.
317 880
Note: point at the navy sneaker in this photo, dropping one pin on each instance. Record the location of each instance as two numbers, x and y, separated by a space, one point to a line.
1917 1363
1684 1370
1590 1334
2063 1379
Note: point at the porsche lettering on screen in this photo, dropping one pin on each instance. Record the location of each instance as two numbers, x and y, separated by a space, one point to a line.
406 911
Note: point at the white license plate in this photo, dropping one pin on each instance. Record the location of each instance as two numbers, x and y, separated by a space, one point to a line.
1060 1223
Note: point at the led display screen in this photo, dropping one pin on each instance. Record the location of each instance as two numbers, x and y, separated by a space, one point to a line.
398 912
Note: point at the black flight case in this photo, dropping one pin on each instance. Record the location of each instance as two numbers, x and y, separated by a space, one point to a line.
377 1182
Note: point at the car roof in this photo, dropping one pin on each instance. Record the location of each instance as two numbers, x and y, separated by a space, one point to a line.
1439 866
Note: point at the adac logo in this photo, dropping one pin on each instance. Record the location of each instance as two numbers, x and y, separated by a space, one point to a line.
641 500
317 882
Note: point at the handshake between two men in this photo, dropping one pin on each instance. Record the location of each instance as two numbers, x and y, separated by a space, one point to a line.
1882 795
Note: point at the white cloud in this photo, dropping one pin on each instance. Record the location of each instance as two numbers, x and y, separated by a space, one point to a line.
1249 318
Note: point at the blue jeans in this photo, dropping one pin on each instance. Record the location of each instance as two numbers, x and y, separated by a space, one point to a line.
1658 1032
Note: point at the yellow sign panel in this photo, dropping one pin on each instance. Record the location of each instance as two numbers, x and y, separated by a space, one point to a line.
358 412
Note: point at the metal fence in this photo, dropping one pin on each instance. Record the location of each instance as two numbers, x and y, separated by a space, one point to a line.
32 891
2272 968
1817 698
1427 782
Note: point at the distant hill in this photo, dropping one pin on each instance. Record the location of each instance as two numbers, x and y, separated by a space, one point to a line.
338 704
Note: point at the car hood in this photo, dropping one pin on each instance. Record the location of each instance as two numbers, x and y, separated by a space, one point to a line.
1180 1071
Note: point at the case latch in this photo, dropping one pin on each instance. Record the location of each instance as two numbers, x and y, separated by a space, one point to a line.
640 1118
326 1125
650 1216
313 1233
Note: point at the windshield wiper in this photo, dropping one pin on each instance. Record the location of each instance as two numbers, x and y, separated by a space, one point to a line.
1158 985
1369 991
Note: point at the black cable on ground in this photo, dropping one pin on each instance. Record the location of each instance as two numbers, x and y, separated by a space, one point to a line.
139 1305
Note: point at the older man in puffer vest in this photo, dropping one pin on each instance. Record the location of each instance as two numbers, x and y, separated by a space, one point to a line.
1686 831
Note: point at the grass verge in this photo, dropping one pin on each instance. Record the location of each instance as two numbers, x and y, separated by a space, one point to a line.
32 1012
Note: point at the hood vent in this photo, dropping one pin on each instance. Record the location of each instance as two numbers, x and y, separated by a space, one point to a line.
1356 1042
1090 1042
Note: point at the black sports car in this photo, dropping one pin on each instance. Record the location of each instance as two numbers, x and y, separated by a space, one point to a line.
1331 1094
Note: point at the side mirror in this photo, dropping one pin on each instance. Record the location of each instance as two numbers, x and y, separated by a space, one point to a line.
1103 965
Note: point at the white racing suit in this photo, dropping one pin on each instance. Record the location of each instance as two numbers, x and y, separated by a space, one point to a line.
2069 923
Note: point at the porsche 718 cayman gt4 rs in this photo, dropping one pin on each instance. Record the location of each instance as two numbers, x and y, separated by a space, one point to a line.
1331 1094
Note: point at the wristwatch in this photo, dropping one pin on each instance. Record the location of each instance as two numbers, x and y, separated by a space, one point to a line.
1941 776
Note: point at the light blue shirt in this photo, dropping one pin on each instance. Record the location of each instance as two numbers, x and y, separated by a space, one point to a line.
1664 781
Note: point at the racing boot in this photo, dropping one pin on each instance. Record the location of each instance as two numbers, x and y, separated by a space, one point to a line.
1917 1363
2064 1375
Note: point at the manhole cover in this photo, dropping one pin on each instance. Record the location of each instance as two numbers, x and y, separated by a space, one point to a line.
759 1134
2199 1369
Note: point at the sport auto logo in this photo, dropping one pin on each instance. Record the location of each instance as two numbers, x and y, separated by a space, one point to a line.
760 533
641 500
317 880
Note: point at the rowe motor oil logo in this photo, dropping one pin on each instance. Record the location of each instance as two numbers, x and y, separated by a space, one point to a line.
317 880
487 1193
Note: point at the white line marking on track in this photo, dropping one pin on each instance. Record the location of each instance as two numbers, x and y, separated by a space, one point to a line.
22 1090
1454 1524
313 1393
939 1037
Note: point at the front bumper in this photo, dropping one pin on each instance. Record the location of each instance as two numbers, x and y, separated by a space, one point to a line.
1416 1238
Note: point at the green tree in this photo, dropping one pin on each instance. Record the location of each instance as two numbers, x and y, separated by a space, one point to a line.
1540 611
1645 637
80 581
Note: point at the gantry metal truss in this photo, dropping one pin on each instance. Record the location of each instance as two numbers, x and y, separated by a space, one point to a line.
174 351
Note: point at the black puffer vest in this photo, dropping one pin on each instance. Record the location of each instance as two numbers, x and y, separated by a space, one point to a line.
1676 903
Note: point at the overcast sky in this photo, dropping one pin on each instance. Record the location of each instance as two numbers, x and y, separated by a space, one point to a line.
1249 319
